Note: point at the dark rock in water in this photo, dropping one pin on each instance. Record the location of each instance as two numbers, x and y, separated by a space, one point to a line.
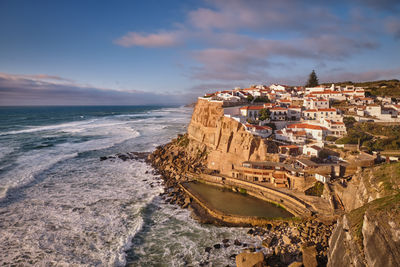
225 241
103 158
217 246
226 245
269 226
208 249
244 245
237 242
250 232
232 256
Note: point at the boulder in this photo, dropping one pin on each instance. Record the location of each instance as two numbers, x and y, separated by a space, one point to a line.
296 264
286 239
270 241
250 259
237 242
309 255
217 246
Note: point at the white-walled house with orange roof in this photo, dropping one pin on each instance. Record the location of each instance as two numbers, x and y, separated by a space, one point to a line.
313 103
251 112
323 113
315 132
263 131
278 113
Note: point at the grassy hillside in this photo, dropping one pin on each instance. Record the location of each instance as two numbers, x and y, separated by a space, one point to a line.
390 88
373 136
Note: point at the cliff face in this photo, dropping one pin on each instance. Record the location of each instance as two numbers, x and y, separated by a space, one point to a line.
369 184
369 234
228 144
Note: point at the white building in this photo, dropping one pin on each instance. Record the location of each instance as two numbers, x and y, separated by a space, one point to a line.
323 113
315 132
311 150
278 113
322 178
294 113
315 103
263 131
336 128
252 112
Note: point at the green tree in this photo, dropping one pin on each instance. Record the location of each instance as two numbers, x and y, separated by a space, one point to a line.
312 80
264 114
250 98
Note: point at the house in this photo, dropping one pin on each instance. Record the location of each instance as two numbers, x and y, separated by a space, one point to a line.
297 137
315 103
284 102
373 110
311 150
362 101
250 111
294 113
322 178
315 132
323 113
278 113
305 164
336 128
263 131
329 94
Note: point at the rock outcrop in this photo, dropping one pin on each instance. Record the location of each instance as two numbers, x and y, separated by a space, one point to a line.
369 234
228 143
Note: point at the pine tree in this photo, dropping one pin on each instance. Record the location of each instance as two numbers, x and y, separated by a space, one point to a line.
312 80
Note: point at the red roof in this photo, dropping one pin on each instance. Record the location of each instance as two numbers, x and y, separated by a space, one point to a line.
278 108
306 126
257 127
252 107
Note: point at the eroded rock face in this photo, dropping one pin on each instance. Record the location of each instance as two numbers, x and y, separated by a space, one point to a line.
381 241
227 141
343 251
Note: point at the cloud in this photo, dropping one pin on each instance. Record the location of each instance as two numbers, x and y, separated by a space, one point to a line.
23 90
251 60
371 75
162 39
392 25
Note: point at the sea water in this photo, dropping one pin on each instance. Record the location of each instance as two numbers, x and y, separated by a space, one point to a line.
61 205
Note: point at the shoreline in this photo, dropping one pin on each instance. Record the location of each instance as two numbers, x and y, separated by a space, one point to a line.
295 239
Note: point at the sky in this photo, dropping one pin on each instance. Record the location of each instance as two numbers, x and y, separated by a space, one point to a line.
94 52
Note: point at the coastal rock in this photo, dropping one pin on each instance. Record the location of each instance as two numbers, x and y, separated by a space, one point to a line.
309 255
250 259
286 239
270 241
217 246
237 242
208 249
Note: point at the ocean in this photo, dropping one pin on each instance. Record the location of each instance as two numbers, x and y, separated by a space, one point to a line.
61 205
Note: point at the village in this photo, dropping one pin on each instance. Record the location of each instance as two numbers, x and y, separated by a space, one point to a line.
304 123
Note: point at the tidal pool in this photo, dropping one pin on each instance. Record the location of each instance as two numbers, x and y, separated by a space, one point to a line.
234 203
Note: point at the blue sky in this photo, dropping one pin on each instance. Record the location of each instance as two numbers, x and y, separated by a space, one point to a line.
145 52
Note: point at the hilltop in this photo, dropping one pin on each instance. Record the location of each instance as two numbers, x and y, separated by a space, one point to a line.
387 88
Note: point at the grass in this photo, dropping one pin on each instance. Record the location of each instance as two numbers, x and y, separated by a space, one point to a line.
316 190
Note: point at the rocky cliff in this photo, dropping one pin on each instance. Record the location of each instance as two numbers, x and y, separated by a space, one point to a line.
369 234
228 143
